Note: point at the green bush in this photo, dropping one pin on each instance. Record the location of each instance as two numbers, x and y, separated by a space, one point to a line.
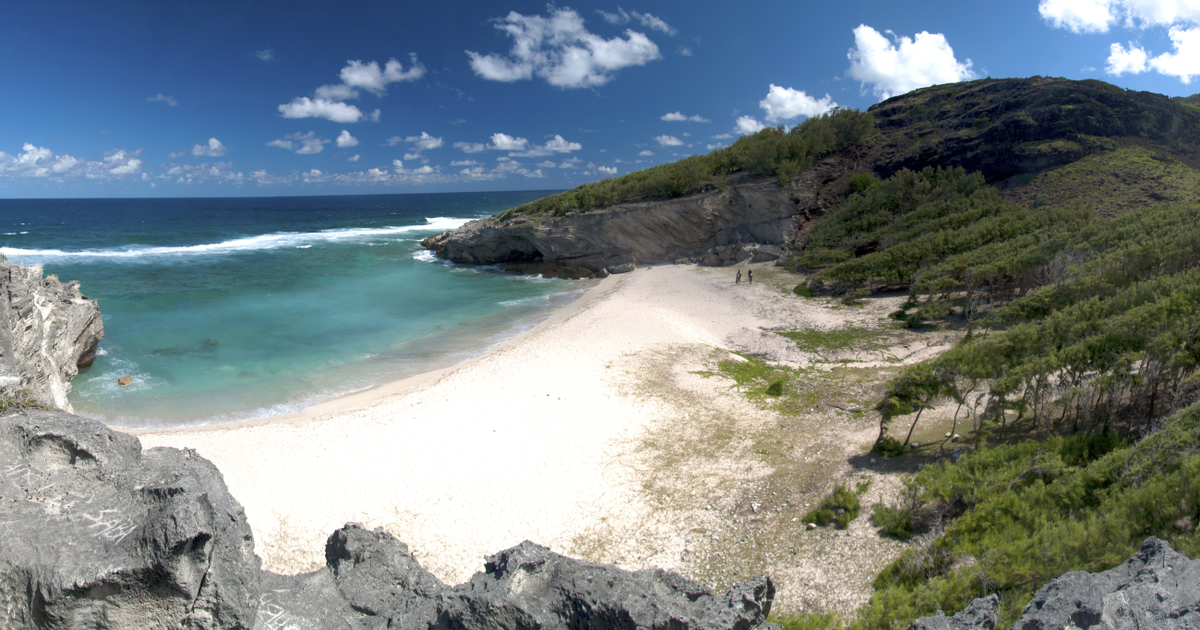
889 446
775 389
839 508
862 181
803 290
896 522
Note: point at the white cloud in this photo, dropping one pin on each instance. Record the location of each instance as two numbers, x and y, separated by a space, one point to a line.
345 140
214 148
412 156
646 152
560 50
668 141
505 142
470 147
645 19
786 103
464 163
424 169
1080 16
163 98
679 117
1132 61
748 124
905 64
354 158
560 145
1185 61
607 170
393 141
685 51
398 166
374 117
40 162
369 77
264 55
301 143
175 155
424 141
570 163
1097 16
547 164
718 145
304 107
722 136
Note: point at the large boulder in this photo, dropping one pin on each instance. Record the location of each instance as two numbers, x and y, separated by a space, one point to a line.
48 331
96 533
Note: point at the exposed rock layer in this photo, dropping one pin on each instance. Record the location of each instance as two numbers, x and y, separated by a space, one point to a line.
1155 588
752 210
97 533
48 330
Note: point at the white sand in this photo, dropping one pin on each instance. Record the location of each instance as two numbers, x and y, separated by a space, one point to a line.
561 436
528 441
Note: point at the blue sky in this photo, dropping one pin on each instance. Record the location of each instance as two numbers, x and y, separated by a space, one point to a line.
212 98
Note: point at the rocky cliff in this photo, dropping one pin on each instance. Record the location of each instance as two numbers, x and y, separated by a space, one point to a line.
1155 588
48 331
715 227
96 533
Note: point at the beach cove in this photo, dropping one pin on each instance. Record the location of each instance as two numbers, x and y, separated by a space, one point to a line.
600 433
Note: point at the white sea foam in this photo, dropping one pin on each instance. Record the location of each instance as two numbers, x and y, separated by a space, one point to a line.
425 255
247 244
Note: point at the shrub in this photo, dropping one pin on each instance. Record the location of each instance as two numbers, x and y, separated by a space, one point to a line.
775 389
862 181
839 508
803 290
896 522
889 447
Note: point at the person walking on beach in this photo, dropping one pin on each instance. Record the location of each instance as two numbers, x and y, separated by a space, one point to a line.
738 280
750 275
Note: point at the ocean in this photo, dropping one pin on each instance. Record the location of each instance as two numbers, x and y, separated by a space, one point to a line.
232 309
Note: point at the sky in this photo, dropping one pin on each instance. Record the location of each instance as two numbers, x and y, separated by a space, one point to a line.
208 98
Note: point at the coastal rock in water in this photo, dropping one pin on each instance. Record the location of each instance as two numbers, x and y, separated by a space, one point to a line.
48 331
97 533
753 210
1157 587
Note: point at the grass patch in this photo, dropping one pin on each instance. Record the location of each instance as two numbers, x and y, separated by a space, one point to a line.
849 338
839 508
18 400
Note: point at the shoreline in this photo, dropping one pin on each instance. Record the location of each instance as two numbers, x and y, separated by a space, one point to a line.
603 432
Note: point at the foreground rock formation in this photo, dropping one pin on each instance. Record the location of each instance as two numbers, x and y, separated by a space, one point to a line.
97 533
48 331
1155 588
712 227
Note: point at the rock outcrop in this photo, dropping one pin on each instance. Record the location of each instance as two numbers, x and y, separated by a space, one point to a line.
1155 588
753 210
97 533
48 331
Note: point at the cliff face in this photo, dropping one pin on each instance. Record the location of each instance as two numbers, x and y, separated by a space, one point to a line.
752 210
48 331
96 533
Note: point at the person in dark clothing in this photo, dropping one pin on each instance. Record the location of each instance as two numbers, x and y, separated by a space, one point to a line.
738 280
750 275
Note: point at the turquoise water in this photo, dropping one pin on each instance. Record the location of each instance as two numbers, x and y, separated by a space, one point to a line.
229 309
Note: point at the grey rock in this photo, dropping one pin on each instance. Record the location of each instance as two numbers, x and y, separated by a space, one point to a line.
751 210
603 273
97 533
1156 588
980 614
48 331
622 268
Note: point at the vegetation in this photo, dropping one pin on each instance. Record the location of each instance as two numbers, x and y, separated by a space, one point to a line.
839 508
17 400
772 151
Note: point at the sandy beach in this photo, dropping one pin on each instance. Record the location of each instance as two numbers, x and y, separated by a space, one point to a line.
601 433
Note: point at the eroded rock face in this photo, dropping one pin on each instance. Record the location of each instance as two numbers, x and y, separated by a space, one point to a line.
48 331
1157 587
756 210
96 533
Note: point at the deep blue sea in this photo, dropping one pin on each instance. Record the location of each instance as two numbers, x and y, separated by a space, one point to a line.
230 309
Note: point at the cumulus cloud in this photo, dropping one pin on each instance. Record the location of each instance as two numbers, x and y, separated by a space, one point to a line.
464 163
505 142
40 162
679 117
1097 16
1184 63
353 158
370 77
645 19
423 141
301 143
607 170
668 141
548 164
748 125
175 155
304 107
561 51
470 147
646 152
214 148
1122 61
327 101
345 140
785 103
163 98
902 64
265 54
557 144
